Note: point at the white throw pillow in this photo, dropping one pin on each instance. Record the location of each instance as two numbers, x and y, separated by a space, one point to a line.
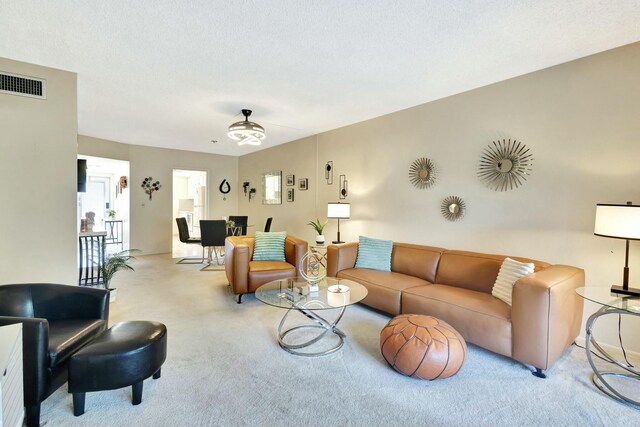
510 271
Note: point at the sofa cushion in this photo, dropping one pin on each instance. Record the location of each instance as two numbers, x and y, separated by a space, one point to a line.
510 271
261 272
416 260
68 336
473 270
374 254
481 318
269 246
384 287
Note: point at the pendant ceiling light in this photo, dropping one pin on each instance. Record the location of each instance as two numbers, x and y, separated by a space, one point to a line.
246 132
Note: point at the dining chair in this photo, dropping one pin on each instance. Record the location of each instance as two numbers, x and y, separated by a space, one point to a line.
183 234
267 226
213 233
240 221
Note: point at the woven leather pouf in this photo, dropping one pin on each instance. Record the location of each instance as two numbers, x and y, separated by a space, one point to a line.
422 347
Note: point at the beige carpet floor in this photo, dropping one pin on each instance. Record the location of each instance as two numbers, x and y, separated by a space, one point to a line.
225 368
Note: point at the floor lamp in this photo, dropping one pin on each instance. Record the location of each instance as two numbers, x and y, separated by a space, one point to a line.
338 211
619 222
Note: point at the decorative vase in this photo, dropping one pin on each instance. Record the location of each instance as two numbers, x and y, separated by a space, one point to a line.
320 239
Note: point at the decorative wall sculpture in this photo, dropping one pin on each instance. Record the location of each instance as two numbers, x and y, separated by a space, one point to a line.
453 208
224 188
149 186
422 173
344 187
505 164
328 172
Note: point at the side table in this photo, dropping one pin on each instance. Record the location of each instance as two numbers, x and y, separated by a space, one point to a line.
611 304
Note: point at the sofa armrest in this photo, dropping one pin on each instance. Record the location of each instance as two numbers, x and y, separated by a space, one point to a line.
294 250
236 259
546 314
341 257
35 346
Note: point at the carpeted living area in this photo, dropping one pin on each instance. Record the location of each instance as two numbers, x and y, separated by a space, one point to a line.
224 367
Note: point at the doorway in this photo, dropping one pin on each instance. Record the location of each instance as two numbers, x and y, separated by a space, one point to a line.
190 202
107 197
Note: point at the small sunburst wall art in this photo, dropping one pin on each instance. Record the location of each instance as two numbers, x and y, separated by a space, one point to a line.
453 208
422 173
505 165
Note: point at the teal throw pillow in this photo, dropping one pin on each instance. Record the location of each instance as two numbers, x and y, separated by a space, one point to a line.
374 254
269 246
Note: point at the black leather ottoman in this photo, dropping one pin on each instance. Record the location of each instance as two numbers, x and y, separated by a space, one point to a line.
125 355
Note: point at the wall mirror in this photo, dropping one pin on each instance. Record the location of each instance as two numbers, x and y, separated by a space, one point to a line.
272 188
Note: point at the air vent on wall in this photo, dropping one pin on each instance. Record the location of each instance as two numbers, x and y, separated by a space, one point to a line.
14 84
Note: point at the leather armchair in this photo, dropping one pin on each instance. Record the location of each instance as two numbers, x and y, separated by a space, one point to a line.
57 321
245 275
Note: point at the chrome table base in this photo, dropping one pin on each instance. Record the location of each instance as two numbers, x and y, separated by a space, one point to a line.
323 325
598 376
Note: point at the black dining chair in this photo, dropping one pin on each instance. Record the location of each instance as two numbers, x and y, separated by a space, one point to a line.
240 221
213 233
183 234
267 226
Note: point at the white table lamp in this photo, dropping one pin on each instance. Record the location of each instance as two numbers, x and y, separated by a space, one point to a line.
619 222
338 211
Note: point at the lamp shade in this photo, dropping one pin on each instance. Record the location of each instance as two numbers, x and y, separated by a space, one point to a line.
618 221
338 210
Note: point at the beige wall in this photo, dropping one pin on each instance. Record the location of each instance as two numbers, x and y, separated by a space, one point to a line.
38 175
581 121
152 220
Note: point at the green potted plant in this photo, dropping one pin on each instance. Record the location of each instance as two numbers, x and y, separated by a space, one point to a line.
114 263
319 227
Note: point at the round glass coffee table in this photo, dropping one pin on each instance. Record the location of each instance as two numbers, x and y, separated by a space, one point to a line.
611 304
295 295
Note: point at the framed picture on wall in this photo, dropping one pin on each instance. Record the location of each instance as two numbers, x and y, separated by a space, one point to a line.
303 184
290 195
291 180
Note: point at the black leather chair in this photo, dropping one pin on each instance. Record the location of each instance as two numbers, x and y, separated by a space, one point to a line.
267 226
240 221
213 233
57 321
183 234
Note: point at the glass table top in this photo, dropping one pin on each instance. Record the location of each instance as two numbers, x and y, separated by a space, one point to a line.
603 296
331 293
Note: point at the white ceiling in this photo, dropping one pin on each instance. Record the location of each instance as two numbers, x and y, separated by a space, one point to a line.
175 74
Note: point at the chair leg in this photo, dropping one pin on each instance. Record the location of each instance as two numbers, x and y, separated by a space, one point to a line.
78 403
239 300
157 374
136 389
32 415
192 260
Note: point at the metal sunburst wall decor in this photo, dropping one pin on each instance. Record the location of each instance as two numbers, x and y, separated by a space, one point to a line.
453 208
422 173
505 164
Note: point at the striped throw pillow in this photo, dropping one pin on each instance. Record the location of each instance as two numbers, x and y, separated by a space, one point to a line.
374 254
269 246
510 271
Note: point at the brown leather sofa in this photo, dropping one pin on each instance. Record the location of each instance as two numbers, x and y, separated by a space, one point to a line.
455 286
245 275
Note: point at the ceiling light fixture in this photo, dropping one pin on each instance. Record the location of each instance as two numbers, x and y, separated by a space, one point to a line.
246 132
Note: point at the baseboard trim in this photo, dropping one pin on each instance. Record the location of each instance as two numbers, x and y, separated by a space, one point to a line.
613 350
